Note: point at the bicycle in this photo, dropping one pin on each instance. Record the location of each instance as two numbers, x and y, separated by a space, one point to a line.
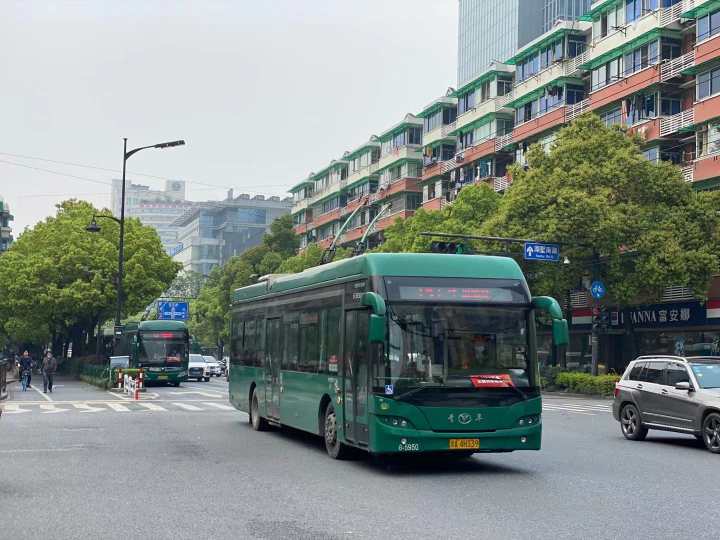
25 380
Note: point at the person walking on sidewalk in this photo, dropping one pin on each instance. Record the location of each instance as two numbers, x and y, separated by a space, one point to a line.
26 363
49 367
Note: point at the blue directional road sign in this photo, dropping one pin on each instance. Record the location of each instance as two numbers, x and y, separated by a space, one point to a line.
597 289
539 251
173 311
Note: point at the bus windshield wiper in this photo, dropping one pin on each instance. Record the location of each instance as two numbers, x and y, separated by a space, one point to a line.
418 389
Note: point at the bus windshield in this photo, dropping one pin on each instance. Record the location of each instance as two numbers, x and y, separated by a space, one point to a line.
163 349
459 346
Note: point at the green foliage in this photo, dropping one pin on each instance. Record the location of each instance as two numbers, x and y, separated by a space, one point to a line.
594 190
473 206
58 279
185 285
584 383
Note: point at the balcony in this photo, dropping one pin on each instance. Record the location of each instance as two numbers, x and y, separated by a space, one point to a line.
703 168
687 172
548 120
329 190
576 109
384 223
483 109
647 129
352 235
361 173
327 217
299 206
677 122
659 18
624 87
670 69
300 228
398 186
439 133
410 151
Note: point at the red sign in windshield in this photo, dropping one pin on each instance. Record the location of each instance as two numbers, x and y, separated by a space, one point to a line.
500 380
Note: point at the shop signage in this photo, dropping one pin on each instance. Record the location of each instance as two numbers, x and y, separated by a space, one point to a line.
662 315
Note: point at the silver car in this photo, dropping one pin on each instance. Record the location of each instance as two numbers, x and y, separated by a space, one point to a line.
670 393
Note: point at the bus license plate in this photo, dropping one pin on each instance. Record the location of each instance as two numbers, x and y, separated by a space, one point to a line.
464 444
162 377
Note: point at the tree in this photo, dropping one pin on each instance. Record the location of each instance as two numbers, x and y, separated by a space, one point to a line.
473 206
187 284
619 217
57 282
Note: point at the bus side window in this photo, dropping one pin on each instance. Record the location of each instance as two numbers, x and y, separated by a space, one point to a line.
309 341
331 341
248 354
236 341
291 327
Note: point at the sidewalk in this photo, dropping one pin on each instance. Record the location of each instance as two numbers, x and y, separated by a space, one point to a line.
572 395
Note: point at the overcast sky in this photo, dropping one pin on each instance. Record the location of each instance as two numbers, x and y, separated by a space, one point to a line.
263 92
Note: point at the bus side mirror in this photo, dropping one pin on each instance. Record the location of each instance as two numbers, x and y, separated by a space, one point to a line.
560 333
377 327
376 332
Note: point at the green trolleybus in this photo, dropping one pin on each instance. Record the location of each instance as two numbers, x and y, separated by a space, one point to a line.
161 348
394 353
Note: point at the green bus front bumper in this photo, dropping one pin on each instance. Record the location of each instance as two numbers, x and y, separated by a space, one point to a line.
386 439
165 376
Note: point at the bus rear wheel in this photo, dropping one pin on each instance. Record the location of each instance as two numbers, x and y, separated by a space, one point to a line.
333 446
257 422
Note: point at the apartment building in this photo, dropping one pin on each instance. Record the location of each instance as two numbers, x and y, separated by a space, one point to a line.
5 230
652 66
381 175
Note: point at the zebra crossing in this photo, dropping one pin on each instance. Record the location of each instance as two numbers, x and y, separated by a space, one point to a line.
95 407
577 406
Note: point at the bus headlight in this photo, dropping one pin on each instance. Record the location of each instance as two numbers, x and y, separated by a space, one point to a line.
396 421
530 420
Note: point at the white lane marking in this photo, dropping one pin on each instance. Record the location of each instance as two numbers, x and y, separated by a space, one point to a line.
187 406
52 409
84 407
556 409
117 407
206 389
221 406
12 408
152 406
215 395
47 398
33 450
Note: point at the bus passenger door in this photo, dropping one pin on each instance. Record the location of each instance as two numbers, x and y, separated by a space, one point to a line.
273 353
355 379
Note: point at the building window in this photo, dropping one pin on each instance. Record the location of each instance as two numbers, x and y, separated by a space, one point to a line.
613 117
576 46
466 102
652 154
708 139
707 83
641 57
641 107
606 74
669 106
575 94
708 25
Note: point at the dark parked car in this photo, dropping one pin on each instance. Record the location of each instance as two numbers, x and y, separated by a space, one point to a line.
670 393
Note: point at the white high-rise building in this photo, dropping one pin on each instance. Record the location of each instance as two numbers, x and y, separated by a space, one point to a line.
155 208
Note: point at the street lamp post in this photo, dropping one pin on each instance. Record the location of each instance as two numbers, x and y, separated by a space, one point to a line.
93 227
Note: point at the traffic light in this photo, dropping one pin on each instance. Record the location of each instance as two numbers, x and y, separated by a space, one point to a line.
455 248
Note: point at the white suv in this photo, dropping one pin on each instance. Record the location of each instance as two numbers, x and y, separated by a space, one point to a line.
214 368
198 368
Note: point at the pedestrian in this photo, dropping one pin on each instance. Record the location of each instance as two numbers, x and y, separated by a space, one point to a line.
49 367
26 363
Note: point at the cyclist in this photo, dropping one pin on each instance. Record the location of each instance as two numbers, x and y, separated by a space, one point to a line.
26 364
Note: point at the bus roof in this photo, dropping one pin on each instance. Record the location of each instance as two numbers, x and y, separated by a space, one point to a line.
387 264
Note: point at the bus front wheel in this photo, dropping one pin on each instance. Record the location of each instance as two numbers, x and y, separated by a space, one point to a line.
257 422
334 447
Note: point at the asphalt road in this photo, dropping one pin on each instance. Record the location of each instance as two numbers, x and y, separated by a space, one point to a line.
89 465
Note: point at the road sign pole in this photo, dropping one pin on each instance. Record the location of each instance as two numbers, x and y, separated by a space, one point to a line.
594 339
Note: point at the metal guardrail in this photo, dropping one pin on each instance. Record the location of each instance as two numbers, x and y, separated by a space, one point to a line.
576 109
674 68
676 122
688 173
502 141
